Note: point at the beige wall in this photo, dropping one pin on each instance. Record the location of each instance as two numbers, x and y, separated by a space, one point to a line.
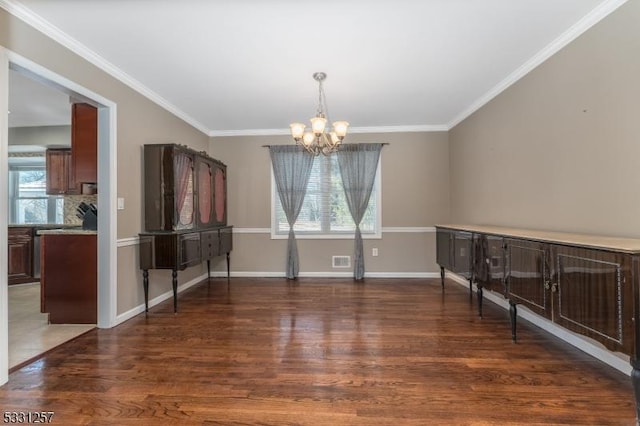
415 194
139 122
560 149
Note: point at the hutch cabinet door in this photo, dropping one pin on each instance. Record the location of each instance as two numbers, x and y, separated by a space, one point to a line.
226 239
204 176
220 194
528 275
184 199
593 295
210 244
189 254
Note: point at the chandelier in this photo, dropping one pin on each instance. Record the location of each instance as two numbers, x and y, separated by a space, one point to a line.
318 140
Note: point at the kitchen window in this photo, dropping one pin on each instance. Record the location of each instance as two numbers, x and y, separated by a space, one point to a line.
28 200
324 212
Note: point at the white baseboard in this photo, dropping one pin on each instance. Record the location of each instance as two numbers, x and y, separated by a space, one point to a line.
618 361
325 274
158 299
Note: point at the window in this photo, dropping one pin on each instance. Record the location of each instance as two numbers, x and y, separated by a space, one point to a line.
28 200
325 213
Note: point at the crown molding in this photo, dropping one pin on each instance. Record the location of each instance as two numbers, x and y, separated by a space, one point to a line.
592 18
249 132
372 129
29 17
34 20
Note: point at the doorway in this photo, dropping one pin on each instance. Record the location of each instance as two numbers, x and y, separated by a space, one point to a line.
107 243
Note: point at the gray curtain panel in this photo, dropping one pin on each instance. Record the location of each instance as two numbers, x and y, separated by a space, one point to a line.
291 169
358 165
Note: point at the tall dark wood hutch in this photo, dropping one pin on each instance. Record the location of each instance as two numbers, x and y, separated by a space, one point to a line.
185 200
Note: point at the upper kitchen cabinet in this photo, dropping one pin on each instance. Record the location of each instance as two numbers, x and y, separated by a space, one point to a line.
75 171
84 146
59 178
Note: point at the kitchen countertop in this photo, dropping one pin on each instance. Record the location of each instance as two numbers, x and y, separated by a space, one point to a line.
74 231
45 225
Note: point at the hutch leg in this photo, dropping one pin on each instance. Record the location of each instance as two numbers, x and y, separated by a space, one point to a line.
513 313
480 301
635 381
228 267
208 269
174 282
442 277
145 285
471 287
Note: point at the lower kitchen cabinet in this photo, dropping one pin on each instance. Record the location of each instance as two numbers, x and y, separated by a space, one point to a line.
20 255
69 277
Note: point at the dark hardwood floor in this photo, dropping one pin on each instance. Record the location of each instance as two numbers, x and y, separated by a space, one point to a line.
321 352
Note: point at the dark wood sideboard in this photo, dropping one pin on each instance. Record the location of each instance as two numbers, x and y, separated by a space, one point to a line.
587 284
185 201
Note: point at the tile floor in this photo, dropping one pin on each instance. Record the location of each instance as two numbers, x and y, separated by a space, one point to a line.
29 333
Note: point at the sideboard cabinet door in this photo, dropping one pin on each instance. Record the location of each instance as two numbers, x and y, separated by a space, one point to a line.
489 262
462 253
528 275
593 295
444 248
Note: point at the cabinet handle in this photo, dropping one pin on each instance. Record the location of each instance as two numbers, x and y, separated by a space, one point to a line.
547 285
554 287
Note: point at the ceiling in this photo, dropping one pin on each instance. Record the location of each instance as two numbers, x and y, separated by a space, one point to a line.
32 103
241 67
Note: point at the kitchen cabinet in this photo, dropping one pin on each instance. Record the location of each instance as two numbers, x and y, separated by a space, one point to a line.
20 255
586 284
185 212
60 179
75 170
84 147
69 276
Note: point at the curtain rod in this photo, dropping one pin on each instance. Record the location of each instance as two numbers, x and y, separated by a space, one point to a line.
269 146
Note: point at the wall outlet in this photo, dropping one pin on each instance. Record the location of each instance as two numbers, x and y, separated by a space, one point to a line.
374 251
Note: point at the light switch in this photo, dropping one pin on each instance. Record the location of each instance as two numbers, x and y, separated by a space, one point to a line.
120 203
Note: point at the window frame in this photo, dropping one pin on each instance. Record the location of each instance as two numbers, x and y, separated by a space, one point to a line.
14 198
338 235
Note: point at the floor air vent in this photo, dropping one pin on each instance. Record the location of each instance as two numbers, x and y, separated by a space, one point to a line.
341 261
